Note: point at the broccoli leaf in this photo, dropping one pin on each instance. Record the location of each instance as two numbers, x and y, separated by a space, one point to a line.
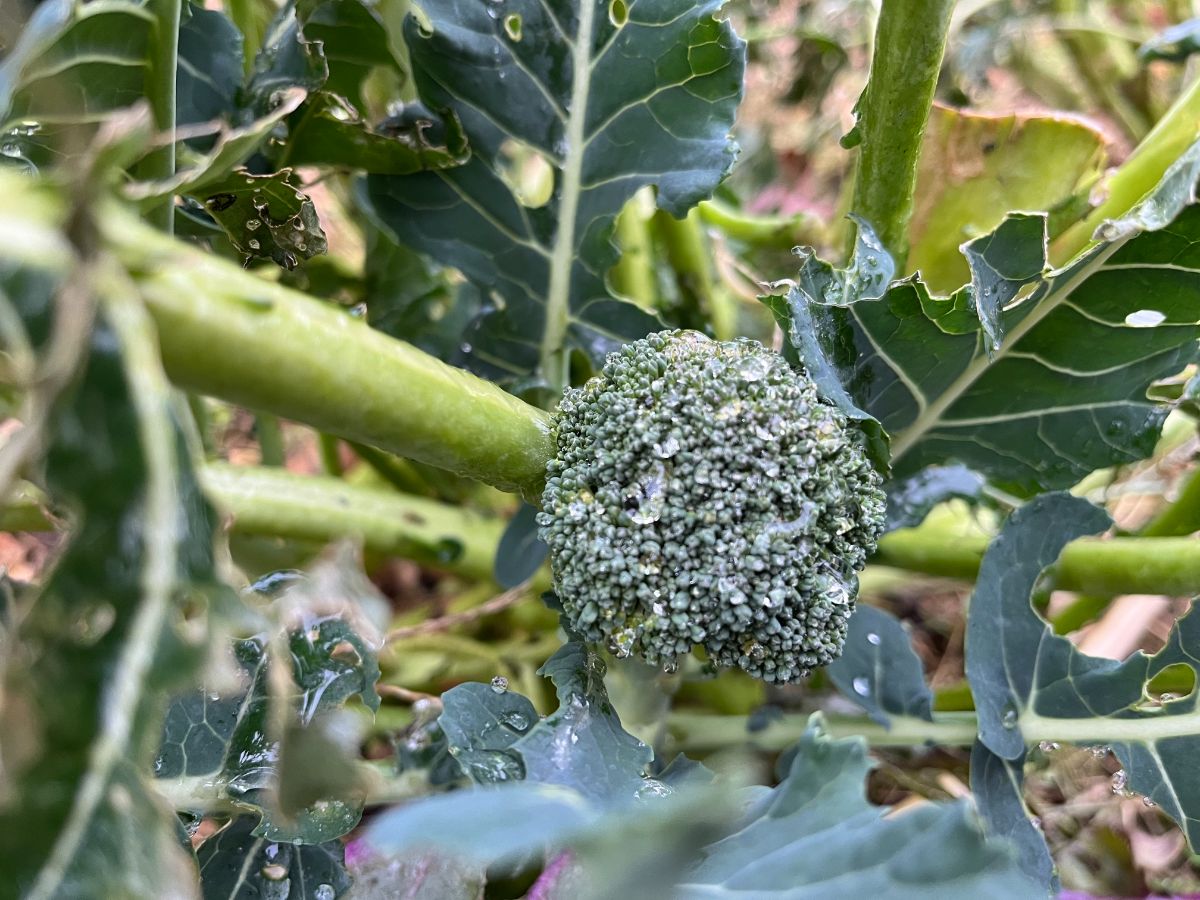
817 829
996 786
209 72
1035 393
90 661
521 551
879 670
910 499
221 745
569 108
266 216
1024 677
497 736
236 864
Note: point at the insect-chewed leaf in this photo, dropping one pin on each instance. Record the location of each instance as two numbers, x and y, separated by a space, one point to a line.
1023 676
266 216
1032 391
225 741
570 106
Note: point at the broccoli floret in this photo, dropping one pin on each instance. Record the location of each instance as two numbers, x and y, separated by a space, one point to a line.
704 493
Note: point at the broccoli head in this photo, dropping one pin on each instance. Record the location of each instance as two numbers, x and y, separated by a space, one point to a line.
704 493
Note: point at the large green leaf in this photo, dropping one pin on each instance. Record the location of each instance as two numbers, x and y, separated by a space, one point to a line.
209 66
816 836
222 745
1032 391
1027 680
236 864
879 670
570 106
497 736
85 678
815 833
98 63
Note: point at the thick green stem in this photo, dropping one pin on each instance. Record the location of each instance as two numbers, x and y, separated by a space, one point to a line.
270 439
1182 516
275 502
633 275
910 40
1116 566
160 91
689 253
230 334
1174 133
783 232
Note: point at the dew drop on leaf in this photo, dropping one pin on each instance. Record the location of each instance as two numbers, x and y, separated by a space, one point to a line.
874 639
499 684
324 892
1009 717
862 686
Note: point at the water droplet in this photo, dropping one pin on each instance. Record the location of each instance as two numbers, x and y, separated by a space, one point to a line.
1145 318
862 686
1148 803
753 368
11 150
651 497
516 721
653 788
302 247
1119 780
324 892
1101 751
1048 746
668 447
253 244
873 638
252 224
1009 717
499 684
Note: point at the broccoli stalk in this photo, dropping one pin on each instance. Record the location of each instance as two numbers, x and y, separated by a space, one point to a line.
704 494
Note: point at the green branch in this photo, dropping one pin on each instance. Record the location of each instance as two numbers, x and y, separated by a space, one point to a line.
910 40
227 333
1165 565
319 509
159 165
1177 130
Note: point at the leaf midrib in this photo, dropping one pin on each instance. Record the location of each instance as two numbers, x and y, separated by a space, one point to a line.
563 255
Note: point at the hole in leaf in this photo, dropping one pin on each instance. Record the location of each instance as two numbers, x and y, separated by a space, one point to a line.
424 26
512 27
618 12
1175 682
1145 318
527 172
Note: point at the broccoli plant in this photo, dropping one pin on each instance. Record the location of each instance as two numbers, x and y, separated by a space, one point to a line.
435 463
